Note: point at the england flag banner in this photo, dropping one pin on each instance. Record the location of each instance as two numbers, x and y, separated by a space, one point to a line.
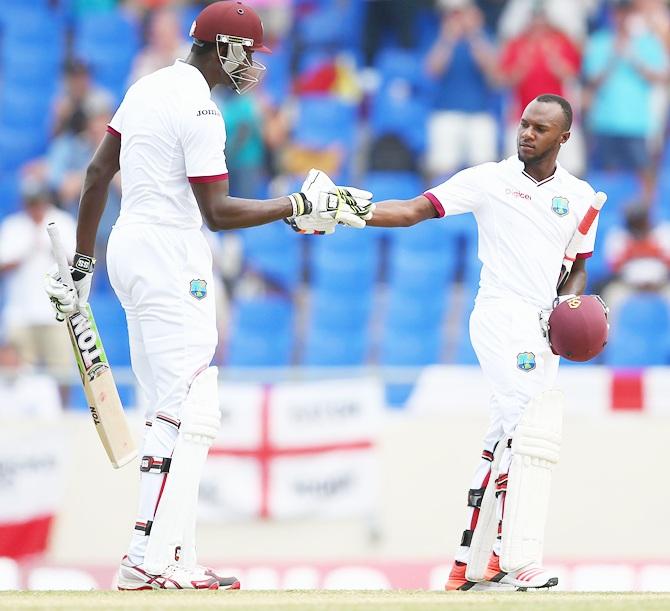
294 450
31 461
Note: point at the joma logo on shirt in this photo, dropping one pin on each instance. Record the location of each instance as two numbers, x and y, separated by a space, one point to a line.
207 111
517 194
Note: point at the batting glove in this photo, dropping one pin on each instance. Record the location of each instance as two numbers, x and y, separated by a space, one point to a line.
321 201
63 297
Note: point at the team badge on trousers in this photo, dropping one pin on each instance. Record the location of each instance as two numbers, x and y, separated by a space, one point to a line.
525 361
199 289
560 205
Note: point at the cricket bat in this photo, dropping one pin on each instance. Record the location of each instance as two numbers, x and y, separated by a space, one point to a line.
579 237
96 374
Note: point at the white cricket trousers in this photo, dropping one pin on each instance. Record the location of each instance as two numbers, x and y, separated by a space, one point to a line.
515 358
163 278
518 364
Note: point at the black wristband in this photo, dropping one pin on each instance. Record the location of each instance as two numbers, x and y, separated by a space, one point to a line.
83 263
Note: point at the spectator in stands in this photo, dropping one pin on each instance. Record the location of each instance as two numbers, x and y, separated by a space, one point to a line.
25 253
78 100
461 130
384 16
25 393
165 44
66 162
638 256
569 16
244 143
621 65
541 59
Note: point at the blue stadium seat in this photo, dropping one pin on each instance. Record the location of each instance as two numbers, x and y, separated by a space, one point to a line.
412 271
335 310
10 197
393 185
324 121
640 332
25 109
403 117
415 310
111 321
108 42
262 333
326 348
346 261
411 348
393 63
622 188
18 146
274 250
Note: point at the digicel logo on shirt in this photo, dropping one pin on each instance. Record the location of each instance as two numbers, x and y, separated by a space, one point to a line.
517 194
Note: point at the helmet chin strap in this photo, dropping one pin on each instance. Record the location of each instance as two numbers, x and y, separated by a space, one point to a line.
243 72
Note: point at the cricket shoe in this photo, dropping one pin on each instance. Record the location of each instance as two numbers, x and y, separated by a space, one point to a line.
458 581
175 577
225 583
528 577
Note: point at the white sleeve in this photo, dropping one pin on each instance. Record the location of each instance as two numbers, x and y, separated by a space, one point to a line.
115 126
203 140
463 192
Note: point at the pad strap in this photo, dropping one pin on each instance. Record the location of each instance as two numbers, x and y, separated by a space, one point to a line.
144 527
155 464
475 496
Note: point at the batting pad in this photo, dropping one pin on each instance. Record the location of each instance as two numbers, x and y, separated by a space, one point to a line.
486 529
175 516
536 444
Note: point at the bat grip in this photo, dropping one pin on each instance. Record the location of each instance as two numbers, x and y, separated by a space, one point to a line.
59 254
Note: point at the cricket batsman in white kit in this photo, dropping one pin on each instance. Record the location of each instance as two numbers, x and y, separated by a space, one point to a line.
527 209
167 138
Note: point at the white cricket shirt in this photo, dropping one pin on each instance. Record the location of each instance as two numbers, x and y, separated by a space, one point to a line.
524 226
171 134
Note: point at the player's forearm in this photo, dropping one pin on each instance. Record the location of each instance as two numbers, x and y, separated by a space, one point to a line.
237 213
402 213
575 284
91 206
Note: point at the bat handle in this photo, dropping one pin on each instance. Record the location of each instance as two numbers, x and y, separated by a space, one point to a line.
59 254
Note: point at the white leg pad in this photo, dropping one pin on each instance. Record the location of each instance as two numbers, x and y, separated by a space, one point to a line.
201 419
486 529
536 444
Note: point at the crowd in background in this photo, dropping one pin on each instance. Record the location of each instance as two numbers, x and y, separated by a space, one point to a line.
390 95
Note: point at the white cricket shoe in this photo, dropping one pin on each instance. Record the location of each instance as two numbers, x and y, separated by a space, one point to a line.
528 577
134 577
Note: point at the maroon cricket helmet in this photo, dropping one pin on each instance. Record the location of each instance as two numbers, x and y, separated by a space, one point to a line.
230 19
578 328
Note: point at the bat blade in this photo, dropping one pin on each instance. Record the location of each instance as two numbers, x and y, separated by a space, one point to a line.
96 375
100 389
579 237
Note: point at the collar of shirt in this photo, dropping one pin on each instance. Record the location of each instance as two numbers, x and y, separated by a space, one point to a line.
195 75
517 163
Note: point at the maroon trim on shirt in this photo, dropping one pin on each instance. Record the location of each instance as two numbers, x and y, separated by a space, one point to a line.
214 178
436 203
584 255
111 130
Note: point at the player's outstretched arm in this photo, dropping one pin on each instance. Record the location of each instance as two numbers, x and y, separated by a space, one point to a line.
221 211
101 170
402 212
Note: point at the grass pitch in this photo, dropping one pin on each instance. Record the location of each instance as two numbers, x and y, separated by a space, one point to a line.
324 600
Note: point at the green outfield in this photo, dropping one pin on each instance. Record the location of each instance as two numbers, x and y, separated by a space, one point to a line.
323 600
